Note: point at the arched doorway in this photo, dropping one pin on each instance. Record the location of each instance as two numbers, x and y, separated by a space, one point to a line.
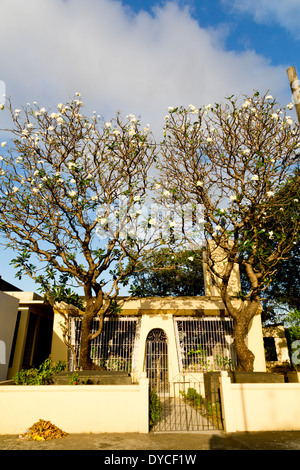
157 360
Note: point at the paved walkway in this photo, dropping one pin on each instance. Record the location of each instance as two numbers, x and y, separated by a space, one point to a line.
152 442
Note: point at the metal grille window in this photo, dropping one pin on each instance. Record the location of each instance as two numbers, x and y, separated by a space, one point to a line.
205 344
115 348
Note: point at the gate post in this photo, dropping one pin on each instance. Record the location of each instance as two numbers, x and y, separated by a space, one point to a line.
144 404
226 403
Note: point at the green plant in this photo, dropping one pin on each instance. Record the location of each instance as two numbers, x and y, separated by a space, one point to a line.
41 375
224 362
201 358
193 398
74 379
155 408
213 409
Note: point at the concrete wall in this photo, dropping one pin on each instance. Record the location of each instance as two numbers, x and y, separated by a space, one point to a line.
8 315
260 407
76 408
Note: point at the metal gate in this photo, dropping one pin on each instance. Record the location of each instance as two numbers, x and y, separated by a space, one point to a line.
182 404
185 405
157 361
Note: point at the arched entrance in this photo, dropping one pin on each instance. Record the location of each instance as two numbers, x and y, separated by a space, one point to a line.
157 360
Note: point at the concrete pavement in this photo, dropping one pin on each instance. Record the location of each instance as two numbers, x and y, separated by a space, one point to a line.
152 442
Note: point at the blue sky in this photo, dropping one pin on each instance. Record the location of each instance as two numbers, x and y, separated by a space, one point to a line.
142 56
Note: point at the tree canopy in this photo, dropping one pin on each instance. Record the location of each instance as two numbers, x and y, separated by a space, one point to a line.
70 187
237 162
74 191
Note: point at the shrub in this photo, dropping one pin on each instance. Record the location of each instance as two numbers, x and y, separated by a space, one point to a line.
41 375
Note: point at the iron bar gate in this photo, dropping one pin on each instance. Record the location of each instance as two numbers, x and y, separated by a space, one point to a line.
184 406
189 402
115 348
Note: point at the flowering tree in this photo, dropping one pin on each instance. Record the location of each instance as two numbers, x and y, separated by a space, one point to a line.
71 189
231 160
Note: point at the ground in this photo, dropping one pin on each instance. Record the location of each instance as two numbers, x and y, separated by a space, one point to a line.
214 440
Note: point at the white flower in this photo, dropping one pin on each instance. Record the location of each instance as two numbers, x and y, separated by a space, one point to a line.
201 221
59 121
232 198
255 178
193 109
108 125
1 106
137 198
172 224
209 139
166 117
72 193
53 116
77 94
131 131
17 111
71 165
60 105
15 189
208 106
35 190
199 183
269 193
72 181
246 152
36 173
3 144
296 200
29 125
171 109
94 198
152 221
190 258
43 110
269 97
289 121
290 105
166 193
271 234
274 116
246 104
218 227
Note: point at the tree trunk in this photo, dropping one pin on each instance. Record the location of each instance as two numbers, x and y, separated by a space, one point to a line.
244 355
86 362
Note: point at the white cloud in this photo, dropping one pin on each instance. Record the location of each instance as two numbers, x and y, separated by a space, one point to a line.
140 64
286 13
